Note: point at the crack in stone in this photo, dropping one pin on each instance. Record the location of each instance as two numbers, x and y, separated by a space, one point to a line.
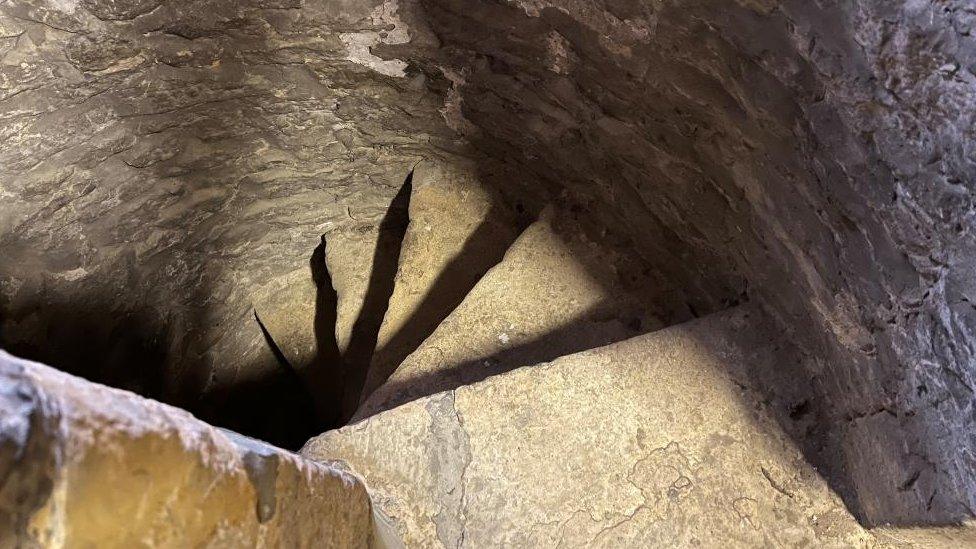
464 471
775 485
451 458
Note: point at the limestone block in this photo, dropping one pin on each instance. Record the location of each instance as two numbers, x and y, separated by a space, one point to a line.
650 442
84 465
458 230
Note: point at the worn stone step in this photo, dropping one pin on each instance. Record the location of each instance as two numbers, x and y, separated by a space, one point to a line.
458 230
554 293
655 441
84 465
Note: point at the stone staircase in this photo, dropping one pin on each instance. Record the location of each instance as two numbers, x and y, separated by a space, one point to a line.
538 302
549 408
649 442
519 390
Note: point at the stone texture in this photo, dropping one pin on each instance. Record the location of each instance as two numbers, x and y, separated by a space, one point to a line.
86 465
350 260
931 537
817 157
574 453
163 162
458 230
551 295
286 309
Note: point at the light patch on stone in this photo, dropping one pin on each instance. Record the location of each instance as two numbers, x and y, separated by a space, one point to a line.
358 44
122 65
559 56
532 8
452 111
73 274
66 6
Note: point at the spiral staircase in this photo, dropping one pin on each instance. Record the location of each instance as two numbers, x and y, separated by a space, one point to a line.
520 383
534 400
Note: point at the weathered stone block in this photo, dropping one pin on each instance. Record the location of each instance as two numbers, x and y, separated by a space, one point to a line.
85 465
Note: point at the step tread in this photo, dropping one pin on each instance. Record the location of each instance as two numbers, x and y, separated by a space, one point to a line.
350 256
652 441
458 230
549 296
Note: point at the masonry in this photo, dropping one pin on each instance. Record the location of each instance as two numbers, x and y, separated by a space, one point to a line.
168 169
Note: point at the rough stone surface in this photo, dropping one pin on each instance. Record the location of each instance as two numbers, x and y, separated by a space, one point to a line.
85 465
573 453
350 260
551 295
816 156
162 162
165 161
457 231
286 309
944 537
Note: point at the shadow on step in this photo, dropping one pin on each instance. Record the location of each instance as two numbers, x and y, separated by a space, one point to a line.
366 329
578 336
319 382
446 293
275 407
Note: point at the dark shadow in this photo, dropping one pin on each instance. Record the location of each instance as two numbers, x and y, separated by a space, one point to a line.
308 396
326 302
129 348
324 377
279 408
382 279
123 348
275 408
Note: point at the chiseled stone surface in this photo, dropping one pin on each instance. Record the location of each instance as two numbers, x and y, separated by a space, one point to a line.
89 466
818 156
458 230
551 295
164 162
650 442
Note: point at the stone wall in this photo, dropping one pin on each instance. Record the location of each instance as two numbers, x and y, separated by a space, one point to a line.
165 161
816 156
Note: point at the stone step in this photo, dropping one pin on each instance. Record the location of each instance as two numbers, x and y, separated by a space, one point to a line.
551 295
655 441
458 230
84 465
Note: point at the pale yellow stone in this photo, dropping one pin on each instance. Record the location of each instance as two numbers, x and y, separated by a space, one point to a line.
89 466
548 296
650 442
458 230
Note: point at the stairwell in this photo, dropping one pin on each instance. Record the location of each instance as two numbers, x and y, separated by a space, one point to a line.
467 273
526 390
